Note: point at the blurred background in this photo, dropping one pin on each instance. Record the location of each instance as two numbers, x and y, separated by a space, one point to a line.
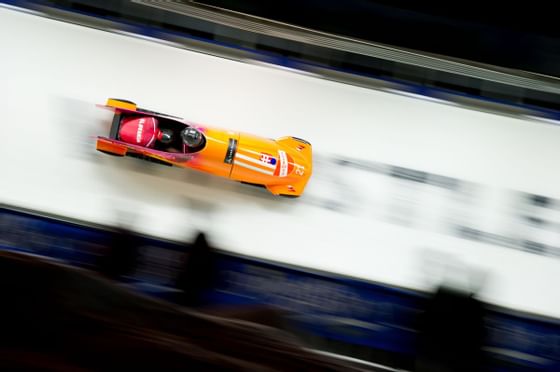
428 237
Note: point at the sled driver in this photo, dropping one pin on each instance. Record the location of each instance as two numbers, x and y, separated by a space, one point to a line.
191 137
144 131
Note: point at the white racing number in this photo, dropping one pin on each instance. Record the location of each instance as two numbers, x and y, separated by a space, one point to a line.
283 163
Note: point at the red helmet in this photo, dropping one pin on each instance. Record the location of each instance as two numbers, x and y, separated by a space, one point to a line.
140 131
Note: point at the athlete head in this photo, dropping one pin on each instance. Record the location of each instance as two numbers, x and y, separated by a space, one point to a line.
192 137
165 136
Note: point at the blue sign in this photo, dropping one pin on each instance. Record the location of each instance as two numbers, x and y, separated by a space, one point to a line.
352 315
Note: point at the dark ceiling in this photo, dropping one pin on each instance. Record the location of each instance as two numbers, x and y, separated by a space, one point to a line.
525 36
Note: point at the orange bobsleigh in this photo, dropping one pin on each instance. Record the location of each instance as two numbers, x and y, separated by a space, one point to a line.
283 166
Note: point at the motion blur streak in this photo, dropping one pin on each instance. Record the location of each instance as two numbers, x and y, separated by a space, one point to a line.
53 74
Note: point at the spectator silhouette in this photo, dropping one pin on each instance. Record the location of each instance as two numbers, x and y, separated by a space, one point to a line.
451 333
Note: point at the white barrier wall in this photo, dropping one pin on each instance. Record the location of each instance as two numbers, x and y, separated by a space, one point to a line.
355 218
